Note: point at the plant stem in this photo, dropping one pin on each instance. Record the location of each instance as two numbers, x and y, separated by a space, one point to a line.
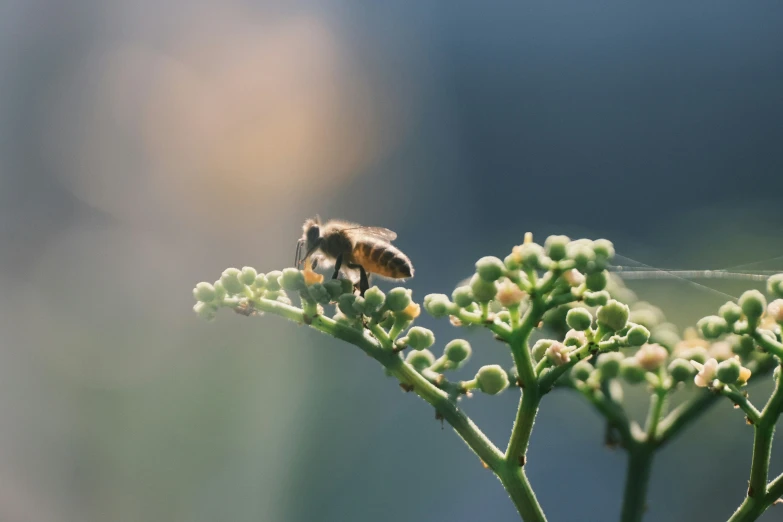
467 430
640 456
683 415
761 495
657 403
514 478
518 488
528 403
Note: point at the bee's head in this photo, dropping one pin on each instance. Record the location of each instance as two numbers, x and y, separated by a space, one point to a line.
311 238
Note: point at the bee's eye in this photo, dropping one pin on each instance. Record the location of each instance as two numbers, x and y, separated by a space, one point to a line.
313 233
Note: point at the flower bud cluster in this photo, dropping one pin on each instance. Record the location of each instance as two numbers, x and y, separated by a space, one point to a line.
236 286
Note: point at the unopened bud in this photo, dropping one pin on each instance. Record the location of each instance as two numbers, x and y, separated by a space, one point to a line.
231 282
420 338
558 354
509 294
492 379
420 359
490 268
753 304
457 351
462 296
613 315
651 356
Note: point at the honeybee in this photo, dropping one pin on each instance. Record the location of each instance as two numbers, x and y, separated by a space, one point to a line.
367 250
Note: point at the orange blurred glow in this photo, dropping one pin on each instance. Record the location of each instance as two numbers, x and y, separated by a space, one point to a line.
256 117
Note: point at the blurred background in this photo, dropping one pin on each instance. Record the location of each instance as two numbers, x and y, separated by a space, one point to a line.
146 146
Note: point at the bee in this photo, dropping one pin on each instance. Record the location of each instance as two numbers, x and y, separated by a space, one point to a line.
367 250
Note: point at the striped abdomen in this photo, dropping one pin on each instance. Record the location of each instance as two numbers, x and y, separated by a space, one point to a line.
383 259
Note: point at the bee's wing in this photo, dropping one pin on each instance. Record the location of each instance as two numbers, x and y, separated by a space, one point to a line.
379 232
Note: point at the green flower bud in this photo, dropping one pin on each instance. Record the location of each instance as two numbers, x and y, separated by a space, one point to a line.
775 285
490 268
596 281
347 285
373 300
420 338
492 379
603 248
596 298
292 279
581 371
512 263
205 310
273 280
613 315
248 275
531 256
574 338
696 353
579 319
318 293
730 312
437 305
483 291
729 371
231 282
631 371
398 299
637 335
582 254
204 292
420 359
609 364
346 305
742 345
462 296
457 351
646 314
681 370
358 305
334 287
260 281
753 304
665 337
555 247
712 326
220 291
539 349
504 316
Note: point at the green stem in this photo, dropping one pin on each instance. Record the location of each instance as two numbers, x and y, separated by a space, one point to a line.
518 488
657 403
738 398
528 403
683 415
768 344
610 409
406 374
760 494
640 456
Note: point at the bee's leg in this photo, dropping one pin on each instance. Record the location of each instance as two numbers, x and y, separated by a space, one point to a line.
298 253
338 262
314 264
364 282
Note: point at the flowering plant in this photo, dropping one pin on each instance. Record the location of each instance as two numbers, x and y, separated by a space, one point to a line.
598 336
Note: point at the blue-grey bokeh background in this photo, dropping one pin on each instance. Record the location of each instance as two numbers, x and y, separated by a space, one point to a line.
145 146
